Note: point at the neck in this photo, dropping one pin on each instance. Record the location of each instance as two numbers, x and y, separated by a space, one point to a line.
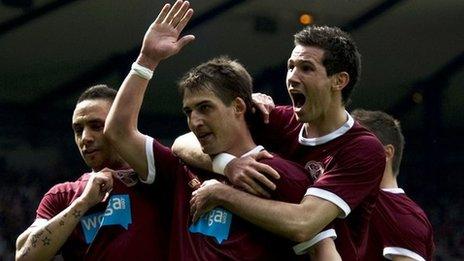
243 142
325 124
388 179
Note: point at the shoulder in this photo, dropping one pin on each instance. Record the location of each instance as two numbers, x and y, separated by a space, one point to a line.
360 143
282 113
70 187
291 173
398 206
279 163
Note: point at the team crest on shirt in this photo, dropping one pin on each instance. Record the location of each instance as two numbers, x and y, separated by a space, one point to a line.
315 169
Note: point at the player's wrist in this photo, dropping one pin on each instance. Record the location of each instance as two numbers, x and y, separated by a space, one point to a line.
147 62
221 162
82 204
220 194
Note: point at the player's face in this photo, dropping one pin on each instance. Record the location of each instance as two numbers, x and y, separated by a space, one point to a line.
88 122
212 122
308 85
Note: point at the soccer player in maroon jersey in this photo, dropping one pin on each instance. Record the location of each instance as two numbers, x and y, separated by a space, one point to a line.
317 132
70 212
399 228
217 101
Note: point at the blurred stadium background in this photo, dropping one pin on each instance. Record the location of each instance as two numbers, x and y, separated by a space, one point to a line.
51 50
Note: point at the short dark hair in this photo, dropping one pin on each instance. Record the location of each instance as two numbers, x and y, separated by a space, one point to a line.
387 129
100 91
226 78
340 53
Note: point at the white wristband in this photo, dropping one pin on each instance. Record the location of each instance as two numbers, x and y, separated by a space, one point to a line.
141 71
220 162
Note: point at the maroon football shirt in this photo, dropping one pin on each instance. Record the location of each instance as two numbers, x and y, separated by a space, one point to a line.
399 226
141 241
245 241
347 166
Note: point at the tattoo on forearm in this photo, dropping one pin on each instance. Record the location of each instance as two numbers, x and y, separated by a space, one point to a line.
48 230
77 213
61 223
46 241
34 240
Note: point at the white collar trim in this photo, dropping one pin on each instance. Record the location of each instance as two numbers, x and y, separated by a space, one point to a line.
394 190
326 138
253 151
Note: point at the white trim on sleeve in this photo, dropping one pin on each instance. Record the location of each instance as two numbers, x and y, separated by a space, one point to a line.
389 252
150 161
303 247
327 195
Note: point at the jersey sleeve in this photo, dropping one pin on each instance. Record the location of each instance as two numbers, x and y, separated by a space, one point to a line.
160 160
411 240
354 175
51 204
304 247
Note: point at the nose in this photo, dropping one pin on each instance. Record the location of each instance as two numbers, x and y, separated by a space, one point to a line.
195 120
292 78
87 136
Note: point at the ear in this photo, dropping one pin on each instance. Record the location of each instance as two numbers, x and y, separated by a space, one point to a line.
389 151
239 106
340 80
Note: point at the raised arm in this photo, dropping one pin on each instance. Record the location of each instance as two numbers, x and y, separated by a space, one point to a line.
160 42
44 238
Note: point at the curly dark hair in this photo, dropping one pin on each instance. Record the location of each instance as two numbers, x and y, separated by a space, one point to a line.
340 52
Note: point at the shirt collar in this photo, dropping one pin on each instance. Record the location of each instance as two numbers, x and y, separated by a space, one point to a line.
326 138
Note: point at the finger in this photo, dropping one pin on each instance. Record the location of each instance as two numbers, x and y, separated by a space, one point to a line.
175 8
195 217
107 194
185 40
263 111
180 14
162 15
248 189
266 170
185 19
192 207
251 181
262 179
264 154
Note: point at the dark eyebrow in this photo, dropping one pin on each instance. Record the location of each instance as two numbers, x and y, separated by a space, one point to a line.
195 105
91 121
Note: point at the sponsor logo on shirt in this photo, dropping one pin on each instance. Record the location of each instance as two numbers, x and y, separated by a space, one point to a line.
118 212
215 223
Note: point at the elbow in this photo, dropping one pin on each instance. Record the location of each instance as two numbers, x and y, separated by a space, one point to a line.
176 148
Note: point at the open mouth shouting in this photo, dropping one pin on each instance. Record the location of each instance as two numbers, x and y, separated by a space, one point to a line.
298 99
